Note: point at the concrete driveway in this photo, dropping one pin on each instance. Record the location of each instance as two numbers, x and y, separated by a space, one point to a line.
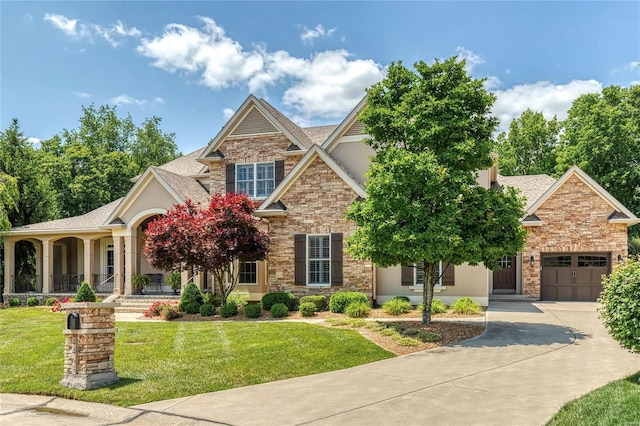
531 360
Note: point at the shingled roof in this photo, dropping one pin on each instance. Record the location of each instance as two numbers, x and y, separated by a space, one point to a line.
185 187
319 134
531 186
186 165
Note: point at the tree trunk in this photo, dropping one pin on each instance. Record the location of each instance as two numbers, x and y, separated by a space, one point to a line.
427 290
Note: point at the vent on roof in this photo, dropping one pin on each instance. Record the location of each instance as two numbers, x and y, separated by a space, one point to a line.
254 123
293 147
278 205
216 154
617 215
531 218
356 129
117 221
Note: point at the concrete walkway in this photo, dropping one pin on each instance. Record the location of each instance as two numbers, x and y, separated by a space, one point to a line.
531 360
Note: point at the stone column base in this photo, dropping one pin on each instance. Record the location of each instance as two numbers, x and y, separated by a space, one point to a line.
89 381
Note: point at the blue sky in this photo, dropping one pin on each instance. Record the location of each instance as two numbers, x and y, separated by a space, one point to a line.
193 63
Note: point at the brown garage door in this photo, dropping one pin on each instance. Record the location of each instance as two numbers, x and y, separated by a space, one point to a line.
573 276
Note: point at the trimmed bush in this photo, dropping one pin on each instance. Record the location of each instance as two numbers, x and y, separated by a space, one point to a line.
169 312
213 299
407 341
270 299
207 310
397 306
279 310
405 298
253 311
320 301
191 308
239 299
14 301
357 310
437 307
51 301
411 332
307 309
340 300
190 294
466 306
85 293
620 310
229 310
428 337
33 301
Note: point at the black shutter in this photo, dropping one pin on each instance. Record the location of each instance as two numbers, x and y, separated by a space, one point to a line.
279 171
231 178
448 277
300 259
407 275
336 259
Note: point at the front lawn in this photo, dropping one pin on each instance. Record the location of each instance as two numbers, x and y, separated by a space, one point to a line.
163 360
617 403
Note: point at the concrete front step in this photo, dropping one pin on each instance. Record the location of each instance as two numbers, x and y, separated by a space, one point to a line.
139 304
511 298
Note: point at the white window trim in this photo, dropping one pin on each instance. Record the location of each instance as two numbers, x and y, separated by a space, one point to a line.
418 287
308 260
257 273
104 245
255 177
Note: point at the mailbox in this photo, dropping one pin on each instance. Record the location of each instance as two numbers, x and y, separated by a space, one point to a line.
73 321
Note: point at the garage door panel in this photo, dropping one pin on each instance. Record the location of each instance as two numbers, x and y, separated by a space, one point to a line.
573 276
582 293
563 293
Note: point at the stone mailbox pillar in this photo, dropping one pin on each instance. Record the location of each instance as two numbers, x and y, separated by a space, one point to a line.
90 343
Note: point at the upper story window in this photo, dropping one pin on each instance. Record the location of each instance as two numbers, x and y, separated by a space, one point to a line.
257 180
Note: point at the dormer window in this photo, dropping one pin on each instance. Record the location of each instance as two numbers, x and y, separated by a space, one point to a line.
257 180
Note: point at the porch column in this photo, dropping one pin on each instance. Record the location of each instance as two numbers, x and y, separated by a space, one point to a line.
198 280
38 246
89 262
130 260
118 264
9 265
47 266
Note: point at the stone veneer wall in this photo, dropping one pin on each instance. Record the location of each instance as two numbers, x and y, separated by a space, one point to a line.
250 149
316 204
574 220
89 361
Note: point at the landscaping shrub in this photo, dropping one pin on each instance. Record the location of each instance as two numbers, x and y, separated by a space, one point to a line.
85 293
428 336
207 310
190 294
466 306
213 299
340 300
389 332
14 301
407 341
239 299
169 312
270 299
620 299
279 310
405 298
51 301
229 310
191 308
33 301
253 311
307 309
411 332
397 306
320 301
437 307
157 307
358 310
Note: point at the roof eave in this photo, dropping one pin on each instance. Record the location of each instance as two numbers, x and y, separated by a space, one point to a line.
270 213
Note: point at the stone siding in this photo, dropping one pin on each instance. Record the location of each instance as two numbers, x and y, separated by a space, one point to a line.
316 204
250 149
574 220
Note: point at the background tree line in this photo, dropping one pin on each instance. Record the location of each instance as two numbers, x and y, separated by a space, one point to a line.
601 135
77 170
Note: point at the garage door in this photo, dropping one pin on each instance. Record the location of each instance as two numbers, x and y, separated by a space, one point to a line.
573 276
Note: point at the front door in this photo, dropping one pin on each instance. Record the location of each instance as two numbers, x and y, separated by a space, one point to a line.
504 279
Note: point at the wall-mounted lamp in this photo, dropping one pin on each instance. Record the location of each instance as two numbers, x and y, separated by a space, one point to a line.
532 260
620 258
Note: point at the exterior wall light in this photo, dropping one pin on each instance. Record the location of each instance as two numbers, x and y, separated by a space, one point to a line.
620 258
532 260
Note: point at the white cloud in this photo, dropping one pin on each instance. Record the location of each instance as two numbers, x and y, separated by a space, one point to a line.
633 65
308 35
129 100
472 59
227 113
112 35
543 96
34 141
492 82
328 84
82 94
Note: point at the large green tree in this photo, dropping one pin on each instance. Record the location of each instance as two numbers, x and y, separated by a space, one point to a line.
432 131
8 199
93 165
602 137
529 148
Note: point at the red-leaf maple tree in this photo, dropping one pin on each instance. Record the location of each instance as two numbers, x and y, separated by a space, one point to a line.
213 239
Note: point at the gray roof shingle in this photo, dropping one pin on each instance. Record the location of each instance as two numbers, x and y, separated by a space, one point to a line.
185 187
186 165
531 186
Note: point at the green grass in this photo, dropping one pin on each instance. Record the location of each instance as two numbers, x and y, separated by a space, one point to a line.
617 403
163 360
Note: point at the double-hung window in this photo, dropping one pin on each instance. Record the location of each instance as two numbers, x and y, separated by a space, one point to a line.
319 258
248 273
419 280
257 180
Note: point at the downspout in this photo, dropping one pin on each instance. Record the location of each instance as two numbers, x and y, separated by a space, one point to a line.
374 290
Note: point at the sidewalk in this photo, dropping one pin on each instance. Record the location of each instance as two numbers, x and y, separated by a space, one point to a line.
533 358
